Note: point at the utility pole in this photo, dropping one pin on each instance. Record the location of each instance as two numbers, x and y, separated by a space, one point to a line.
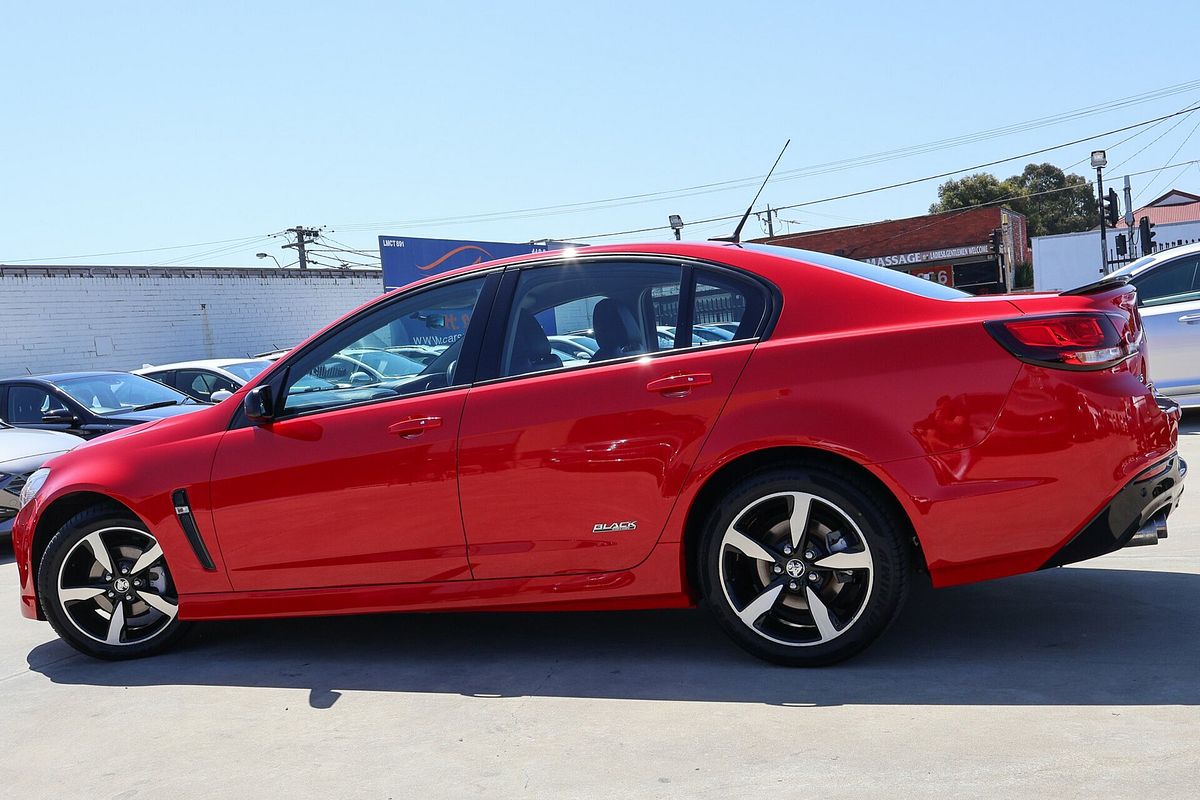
1129 216
1099 160
304 236
771 214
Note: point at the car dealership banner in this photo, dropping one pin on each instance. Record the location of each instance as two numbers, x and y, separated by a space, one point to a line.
409 258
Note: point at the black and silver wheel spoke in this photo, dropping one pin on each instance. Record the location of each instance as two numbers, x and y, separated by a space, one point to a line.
799 516
745 545
761 604
160 604
116 625
99 551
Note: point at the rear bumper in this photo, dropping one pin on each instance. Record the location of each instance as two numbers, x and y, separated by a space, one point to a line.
1141 507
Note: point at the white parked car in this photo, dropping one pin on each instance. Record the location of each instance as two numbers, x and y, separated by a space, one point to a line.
210 380
1168 288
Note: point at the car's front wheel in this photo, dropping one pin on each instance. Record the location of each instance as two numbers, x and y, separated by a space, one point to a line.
106 589
804 566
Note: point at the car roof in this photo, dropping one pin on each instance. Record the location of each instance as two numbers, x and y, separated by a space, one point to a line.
216 363
62 376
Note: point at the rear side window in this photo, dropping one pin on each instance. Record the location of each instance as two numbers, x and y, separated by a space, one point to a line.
1171 282
725 308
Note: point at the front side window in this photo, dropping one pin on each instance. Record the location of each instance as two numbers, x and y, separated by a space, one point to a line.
1172 282
366 360
27 404
607 310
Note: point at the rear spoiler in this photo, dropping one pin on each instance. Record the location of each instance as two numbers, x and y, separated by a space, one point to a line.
1102 285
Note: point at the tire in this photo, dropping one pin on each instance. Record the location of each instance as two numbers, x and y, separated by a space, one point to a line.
813 601
95 607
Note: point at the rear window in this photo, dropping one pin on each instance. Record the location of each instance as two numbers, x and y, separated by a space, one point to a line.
888 277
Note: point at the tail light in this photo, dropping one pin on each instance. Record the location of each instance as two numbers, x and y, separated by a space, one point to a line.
1065 341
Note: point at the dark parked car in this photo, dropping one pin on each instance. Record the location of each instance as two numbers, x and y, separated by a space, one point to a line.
89 404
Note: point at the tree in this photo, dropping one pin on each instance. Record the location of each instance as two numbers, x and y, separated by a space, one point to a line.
982 188
1052 201
1055 202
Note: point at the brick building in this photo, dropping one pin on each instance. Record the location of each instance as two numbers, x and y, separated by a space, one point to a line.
954 248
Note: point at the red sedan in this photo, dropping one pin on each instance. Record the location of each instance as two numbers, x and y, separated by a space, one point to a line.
860 426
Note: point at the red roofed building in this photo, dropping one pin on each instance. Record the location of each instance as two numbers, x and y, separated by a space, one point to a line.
1174 206
954 248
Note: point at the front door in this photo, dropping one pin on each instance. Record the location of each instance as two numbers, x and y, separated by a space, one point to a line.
568 468
354 482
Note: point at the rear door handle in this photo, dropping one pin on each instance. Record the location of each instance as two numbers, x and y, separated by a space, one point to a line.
411 427
1190 319
679 384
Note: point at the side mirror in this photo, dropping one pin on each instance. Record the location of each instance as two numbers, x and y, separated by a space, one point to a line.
218 396
60 416
259 405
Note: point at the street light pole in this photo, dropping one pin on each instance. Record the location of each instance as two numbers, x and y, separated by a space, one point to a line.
1099 160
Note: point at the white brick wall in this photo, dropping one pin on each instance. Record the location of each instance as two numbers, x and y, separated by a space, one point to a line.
55 319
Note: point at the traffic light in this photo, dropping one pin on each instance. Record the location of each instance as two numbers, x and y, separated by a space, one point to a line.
1112 209
1146 229
996 240
1122 245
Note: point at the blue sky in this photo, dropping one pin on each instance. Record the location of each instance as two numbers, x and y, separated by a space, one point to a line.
130 126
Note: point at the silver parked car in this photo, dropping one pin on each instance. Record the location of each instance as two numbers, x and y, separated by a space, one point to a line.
21 452
1168 285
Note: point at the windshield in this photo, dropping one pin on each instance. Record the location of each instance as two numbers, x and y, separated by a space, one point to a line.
247 369
114 392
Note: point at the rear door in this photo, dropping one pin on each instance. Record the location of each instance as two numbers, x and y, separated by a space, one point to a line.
1169 300
575 468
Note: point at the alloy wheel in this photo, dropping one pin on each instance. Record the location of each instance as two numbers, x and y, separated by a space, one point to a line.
795 569
114 587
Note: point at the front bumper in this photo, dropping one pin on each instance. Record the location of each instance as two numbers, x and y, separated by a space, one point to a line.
1144 503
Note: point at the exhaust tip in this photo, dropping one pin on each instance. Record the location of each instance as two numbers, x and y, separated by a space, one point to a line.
1154 529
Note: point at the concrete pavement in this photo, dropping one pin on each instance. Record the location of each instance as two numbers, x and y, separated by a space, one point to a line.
1078 682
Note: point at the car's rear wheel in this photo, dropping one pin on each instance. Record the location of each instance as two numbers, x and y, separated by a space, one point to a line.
106 589
804 566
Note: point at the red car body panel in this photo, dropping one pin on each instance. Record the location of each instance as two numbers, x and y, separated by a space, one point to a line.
334 499
540 466
996 463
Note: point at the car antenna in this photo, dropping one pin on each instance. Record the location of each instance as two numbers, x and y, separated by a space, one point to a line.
736 238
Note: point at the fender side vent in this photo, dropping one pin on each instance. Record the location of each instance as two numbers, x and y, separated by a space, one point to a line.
183 510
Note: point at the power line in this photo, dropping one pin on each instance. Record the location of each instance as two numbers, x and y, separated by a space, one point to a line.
134 252
1150 182
785 175
910 182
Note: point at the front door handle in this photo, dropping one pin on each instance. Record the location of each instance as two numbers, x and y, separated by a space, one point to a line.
1190 319
412 427
679 384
